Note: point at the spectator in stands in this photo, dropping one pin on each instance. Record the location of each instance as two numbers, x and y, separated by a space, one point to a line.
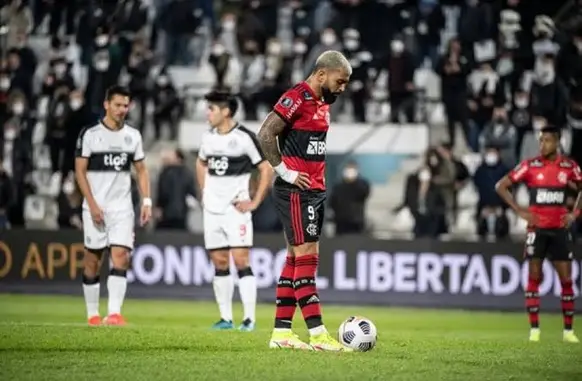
175 185
70 203
453 68
265 219
548 92
348 201
430 21
18 17
462 175
501 134
400 66
253 69
475 23
491 217
436 181
360 80
28 59
6 196
105 69
139 67
79 117
56 124
168 106
575 123
130 19
569 59
220 60
21 77
483 97
179 20
91 17
5 83
327 41
20 115
520 116
58 8
16 154
277 77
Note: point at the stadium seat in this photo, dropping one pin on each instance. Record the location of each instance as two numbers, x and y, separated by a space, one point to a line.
40 212
465 223
41 157
46 182
468 196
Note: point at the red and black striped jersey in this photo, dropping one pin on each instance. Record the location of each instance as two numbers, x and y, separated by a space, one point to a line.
547 182
303 143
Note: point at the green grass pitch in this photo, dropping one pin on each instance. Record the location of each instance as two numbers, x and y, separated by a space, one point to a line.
44 338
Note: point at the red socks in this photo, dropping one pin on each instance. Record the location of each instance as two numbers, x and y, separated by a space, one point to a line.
306 290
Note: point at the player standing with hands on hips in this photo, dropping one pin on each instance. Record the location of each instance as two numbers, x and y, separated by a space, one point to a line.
104 156
228 154
293 139
548 178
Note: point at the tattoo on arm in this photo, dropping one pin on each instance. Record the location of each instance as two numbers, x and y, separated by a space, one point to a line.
272 127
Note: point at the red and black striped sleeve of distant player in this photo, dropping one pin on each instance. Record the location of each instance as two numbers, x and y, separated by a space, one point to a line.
303 144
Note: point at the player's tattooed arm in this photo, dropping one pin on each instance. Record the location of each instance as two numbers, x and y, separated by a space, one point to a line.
272 127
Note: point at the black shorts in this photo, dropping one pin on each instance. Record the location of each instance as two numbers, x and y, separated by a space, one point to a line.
301 213
553 244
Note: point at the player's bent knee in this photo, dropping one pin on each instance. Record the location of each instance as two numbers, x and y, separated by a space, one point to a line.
307 248
91 258
220 259
241 258
120 257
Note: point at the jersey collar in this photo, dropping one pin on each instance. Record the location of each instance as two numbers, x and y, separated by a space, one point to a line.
102 121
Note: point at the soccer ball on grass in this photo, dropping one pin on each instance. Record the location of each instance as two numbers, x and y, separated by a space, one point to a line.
358 333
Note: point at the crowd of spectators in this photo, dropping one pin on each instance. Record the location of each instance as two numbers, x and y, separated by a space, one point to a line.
507 68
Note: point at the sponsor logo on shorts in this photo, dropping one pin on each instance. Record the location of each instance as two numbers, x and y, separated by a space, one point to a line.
312 229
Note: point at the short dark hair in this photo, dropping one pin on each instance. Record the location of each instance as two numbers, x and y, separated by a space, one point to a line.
552 130
223 99
117 90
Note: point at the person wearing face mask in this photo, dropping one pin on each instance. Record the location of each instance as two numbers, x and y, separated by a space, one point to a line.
520 116
167 104
361 62
327 41
70 204
139 67
56 135
400 66
80 115
549 94
501 134
348 201
491 217
220 60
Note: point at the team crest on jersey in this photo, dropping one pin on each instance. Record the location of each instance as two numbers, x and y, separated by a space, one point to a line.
286 102
563 177
127 140
565 164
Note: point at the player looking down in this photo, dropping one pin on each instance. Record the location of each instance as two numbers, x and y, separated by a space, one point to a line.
293 138
105 153
547 177
228 154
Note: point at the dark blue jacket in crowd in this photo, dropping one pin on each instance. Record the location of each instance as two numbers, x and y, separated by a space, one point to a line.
485 179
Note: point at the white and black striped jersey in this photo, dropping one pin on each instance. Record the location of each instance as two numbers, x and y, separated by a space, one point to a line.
230 158
111 154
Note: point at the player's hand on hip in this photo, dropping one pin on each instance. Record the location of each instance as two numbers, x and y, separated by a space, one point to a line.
245 206
527 216
96 214
145 215
302 180
568 219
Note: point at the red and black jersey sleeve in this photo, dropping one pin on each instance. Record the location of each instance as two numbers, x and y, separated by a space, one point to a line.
576 175
520 173
289 106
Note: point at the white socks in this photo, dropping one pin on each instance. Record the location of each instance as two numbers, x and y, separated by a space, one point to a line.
247 287
91 293
116 286
223 285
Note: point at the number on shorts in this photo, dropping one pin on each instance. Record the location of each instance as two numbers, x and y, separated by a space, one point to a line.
530 238
310 212
242 230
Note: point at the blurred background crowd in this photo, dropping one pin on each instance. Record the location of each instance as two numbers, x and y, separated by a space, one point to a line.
504 69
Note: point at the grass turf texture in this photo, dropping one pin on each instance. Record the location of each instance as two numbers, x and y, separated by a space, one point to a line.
45 338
